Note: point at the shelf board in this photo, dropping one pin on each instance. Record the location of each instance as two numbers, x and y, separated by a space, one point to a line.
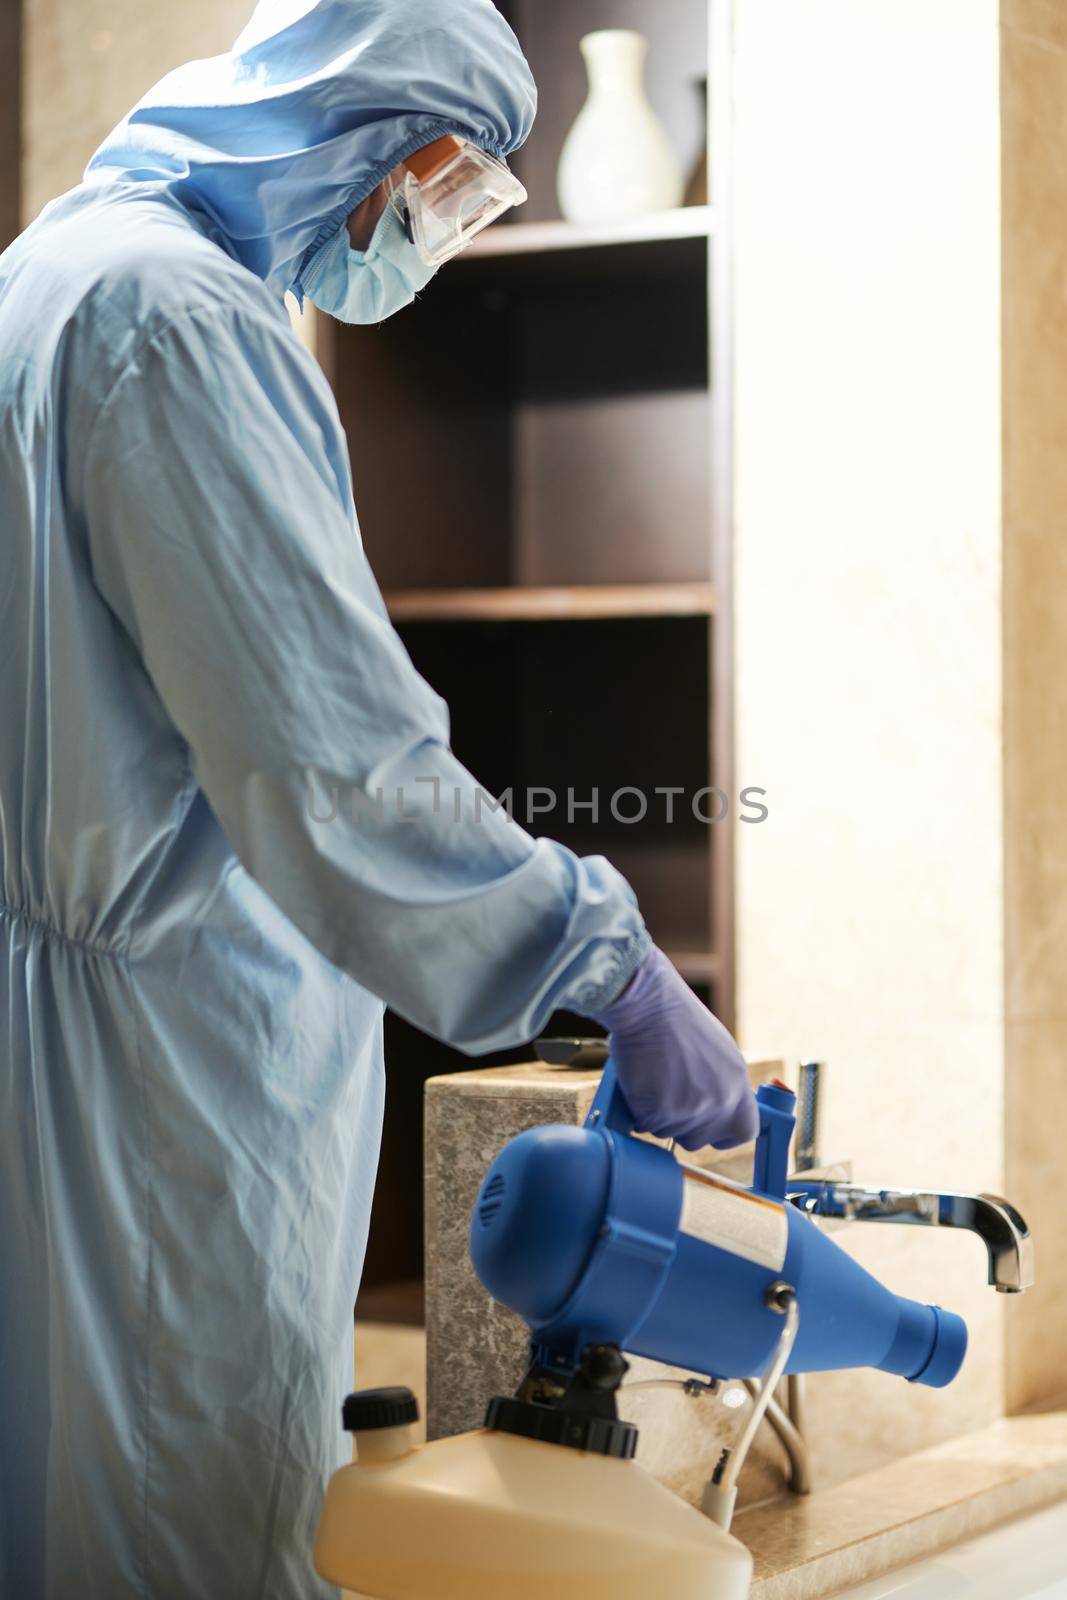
540 238
514 255
576 603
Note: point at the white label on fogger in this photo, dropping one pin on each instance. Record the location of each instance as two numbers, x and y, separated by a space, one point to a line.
723 1214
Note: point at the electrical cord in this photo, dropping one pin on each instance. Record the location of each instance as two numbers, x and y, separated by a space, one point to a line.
720 1492
792 1437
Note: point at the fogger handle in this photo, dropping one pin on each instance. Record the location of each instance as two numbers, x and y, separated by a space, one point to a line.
777 1107
610 1108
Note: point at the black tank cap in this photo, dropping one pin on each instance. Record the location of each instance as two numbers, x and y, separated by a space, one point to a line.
379 1408
602 1436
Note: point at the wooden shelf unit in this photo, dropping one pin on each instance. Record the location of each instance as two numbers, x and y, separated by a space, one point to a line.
544 438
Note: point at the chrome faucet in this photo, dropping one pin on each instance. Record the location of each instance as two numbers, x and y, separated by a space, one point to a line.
996 1222
822 1194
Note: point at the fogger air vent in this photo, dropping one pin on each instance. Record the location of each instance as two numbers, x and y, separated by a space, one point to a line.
492 1199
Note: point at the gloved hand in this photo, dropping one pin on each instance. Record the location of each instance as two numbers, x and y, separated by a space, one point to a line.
679 1068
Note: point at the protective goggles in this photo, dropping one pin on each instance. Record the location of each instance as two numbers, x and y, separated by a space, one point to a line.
449 191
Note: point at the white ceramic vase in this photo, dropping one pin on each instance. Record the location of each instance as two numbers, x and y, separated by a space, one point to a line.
617 161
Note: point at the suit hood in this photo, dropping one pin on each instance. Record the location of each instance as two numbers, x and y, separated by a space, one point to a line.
276 141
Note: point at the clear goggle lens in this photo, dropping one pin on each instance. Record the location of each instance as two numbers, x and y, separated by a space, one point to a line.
444 208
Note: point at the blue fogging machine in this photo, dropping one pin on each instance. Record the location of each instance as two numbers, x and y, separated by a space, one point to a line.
604 1242
596 1237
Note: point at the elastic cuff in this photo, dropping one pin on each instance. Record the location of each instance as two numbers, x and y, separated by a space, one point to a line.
589 998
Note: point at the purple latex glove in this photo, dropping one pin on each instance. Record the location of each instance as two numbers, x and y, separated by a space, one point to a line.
680 1070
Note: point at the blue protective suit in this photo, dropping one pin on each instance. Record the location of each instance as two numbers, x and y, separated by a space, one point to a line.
193 968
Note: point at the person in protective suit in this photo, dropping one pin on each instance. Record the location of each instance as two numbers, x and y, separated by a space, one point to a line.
194 963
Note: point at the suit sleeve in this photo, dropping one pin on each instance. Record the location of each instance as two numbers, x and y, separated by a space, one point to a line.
223 536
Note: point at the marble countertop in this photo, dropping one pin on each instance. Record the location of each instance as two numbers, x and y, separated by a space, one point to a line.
812 1547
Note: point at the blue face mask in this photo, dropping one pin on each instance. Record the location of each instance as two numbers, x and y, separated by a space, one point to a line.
366 285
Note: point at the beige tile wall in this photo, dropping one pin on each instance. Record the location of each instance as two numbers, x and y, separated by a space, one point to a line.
902 513
1034 110
868 609
94 59
86 62
1045 21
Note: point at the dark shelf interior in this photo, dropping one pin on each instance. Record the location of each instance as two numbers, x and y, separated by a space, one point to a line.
640 720
553 437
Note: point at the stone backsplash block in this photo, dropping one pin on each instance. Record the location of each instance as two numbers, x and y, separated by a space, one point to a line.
474 1347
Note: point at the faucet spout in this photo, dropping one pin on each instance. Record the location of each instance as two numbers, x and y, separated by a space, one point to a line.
996 1222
